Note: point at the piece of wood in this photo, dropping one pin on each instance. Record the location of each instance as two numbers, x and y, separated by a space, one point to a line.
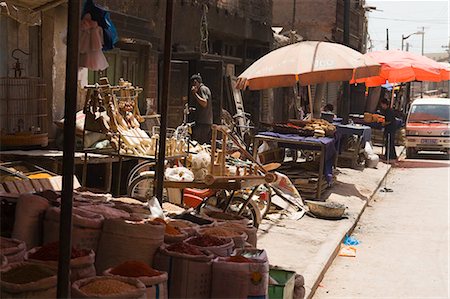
10 187
213 147
271 166
20 186
310 100
243 150
224 152
37 185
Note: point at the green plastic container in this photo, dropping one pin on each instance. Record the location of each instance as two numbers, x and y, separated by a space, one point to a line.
285 287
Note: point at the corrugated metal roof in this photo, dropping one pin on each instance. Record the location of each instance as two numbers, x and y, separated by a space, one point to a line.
36 4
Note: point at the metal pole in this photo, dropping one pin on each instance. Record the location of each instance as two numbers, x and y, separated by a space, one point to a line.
70 109
346 40
387 38
423 39
403 41
164 102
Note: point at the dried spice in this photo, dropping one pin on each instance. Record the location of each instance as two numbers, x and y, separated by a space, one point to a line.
239 259
222 232
50 252
207 241
134 269
106 287
170 230
181 247
26 273
224 216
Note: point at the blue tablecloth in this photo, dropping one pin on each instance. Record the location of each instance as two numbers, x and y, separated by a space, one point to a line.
360 130
331 146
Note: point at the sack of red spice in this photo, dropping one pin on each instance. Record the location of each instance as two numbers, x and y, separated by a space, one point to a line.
218 246
81 262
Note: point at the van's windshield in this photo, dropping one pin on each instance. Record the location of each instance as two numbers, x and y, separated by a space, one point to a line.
429 113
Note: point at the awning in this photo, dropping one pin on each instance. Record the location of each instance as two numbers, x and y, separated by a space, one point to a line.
27 11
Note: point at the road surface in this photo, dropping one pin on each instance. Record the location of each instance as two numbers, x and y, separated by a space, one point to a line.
404 235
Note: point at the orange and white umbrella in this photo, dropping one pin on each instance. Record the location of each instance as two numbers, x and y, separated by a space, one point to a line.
308 62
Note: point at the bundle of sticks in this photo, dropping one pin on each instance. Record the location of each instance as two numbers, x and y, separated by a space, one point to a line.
113 110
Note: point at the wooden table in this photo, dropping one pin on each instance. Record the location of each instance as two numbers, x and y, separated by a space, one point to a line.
283 140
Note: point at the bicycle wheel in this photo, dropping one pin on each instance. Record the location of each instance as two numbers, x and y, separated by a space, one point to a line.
262 198
142 187
251 212
138 169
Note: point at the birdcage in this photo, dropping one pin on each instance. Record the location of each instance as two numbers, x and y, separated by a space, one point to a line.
23 112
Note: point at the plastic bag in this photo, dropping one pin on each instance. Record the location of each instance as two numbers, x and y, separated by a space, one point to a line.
155 207
179 174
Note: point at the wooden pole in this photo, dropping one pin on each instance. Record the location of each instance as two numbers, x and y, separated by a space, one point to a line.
310 100
70 110
164 102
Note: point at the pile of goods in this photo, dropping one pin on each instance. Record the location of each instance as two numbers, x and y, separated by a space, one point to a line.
113 111
50 252
134 269
207 241
184 248
315 127
373 118
26 273
106 287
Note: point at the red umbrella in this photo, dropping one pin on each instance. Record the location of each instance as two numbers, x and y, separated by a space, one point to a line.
399 66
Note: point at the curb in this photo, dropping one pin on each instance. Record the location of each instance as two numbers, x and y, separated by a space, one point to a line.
335 252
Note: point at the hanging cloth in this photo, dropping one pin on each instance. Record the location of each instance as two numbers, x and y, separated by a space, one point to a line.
103 19
91 43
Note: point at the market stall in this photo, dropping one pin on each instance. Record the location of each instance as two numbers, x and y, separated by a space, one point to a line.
310 184
352 143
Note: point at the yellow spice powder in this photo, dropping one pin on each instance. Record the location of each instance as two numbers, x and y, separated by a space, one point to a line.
106 287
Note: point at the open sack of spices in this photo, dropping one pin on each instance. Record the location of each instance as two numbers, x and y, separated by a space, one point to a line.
27 280
251 274
236 233
172 234
155 281
109 287
81 260
218 246
188 268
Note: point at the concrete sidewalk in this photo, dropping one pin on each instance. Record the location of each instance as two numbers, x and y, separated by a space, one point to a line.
309 245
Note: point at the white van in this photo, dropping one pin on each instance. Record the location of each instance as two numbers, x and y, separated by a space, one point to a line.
428 126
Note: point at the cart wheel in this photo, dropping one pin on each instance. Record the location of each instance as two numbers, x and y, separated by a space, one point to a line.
138 169
262 199
142 187
251 211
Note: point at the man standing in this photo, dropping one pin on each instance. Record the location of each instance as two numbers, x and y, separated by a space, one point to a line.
389 130
203 105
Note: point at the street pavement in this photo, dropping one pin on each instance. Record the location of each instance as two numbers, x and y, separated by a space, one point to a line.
309 245
404 235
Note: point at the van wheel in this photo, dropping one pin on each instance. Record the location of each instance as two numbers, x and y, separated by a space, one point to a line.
410 152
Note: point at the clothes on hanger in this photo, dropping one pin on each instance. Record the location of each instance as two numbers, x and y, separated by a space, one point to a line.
91 44
103 19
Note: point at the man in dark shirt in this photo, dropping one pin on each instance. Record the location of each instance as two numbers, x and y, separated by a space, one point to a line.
203 104
389 130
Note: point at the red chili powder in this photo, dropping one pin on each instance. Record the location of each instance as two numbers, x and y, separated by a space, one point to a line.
50 252
182 247
207 241
134 269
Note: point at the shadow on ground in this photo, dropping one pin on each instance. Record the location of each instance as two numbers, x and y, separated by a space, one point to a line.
344 189
412 163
